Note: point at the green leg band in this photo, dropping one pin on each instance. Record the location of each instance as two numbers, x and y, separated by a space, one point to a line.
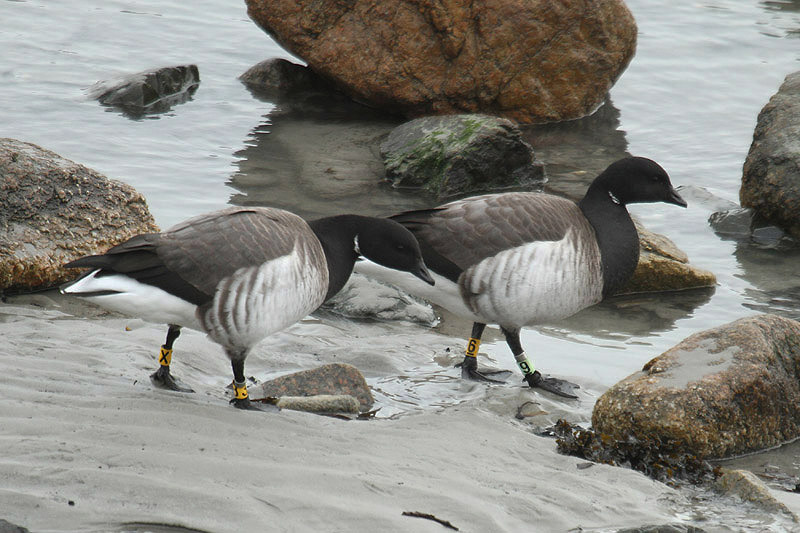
524 364
165 356
472 347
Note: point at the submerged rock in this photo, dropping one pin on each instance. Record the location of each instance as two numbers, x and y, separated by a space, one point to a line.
744 224
532 61
725 391
664 267
364 297
748 487
335 379
771 174
458 154
8 527
282 77
53 210
150 91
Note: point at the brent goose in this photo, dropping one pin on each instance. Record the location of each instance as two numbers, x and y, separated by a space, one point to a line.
521 258
239 274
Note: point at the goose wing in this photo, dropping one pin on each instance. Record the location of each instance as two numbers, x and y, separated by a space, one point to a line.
465 232
190 259
206 249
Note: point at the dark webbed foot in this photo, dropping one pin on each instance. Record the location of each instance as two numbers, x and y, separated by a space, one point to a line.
162 379
469 370
246 404
557 386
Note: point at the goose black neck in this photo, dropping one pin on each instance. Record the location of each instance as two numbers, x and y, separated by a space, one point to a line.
337 235
616 236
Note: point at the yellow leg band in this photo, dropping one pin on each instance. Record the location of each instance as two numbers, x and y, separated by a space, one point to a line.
165 356
472 347
240 391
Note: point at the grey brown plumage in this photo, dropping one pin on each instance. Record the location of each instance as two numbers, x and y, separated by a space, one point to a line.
518 259
240 274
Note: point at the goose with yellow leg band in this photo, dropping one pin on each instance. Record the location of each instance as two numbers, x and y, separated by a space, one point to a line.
239 275
520 259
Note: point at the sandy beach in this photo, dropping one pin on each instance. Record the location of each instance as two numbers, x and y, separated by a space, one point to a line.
90 445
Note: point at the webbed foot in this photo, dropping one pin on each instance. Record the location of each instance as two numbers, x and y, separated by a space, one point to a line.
469 370
162 379
246 404
559 387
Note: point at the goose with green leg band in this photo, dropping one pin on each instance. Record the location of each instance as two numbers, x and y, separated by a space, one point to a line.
520 259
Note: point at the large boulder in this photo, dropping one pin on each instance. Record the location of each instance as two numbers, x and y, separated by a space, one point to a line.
771 174
148 92
457 154
53 210
529 60
721 392
369 299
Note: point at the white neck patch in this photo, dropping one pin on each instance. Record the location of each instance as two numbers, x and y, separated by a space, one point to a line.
356 249
614 198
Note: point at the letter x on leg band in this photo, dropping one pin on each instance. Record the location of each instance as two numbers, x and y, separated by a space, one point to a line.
165 356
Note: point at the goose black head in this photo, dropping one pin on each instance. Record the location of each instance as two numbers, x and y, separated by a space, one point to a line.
389 244
637 179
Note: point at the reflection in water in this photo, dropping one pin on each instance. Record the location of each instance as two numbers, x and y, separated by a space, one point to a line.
578 150
780 8
781 5
637 315
768 259
317 155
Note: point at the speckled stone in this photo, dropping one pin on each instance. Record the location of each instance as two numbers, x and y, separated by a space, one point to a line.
664 267
771 172
53 210
528 60
721 392
331 379
748 487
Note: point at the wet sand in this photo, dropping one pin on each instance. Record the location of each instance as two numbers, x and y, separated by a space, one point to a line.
89 445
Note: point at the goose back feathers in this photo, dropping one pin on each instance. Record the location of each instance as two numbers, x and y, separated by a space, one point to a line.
512 252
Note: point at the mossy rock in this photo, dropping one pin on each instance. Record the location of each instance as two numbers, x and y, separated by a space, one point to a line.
458 154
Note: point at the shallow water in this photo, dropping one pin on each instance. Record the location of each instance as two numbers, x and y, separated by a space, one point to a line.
689 100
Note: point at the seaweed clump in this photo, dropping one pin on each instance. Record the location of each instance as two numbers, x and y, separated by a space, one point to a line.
658 458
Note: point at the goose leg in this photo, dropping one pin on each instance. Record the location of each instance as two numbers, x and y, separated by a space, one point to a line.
469 367
241 399
162 378
532 376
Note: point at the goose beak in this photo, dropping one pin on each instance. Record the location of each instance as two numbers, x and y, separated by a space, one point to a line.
421 271
675 198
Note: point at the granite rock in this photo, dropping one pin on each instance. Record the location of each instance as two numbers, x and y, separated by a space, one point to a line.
529 60
771 173
721 392
53 210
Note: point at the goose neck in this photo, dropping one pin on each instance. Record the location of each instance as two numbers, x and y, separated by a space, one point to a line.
338 237
616 236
